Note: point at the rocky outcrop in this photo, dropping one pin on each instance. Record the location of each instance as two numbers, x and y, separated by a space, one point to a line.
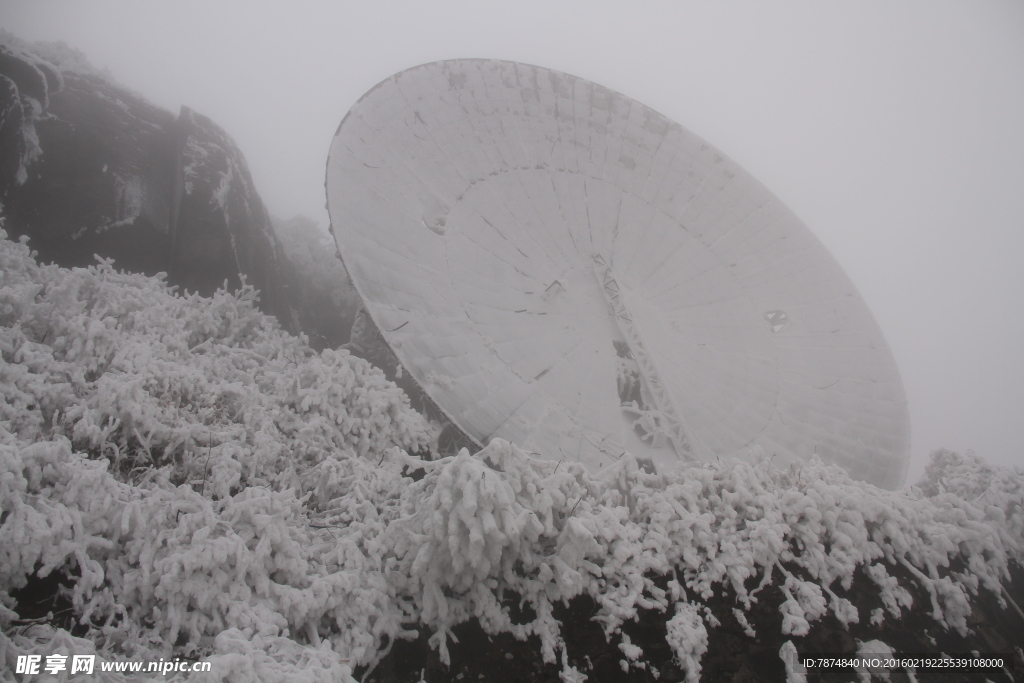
25 84
317 282
101 182
12 139
218 224
90 168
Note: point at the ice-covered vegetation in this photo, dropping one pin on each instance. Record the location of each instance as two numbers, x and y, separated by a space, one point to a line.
213 488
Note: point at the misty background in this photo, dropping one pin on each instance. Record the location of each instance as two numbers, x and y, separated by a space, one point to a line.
893 130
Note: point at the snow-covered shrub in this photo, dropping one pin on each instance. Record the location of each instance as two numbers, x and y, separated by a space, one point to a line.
239 658
130 371
952 479
871 650
475 526
795 671
688 639
210 486
159 449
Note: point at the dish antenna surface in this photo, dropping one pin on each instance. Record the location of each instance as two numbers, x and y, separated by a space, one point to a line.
565 268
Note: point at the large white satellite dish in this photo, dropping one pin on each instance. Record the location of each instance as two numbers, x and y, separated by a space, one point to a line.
563 267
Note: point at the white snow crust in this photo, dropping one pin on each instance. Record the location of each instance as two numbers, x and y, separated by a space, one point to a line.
795 671
222 491
688 639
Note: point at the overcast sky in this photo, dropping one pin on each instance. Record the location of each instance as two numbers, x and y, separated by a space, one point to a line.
895 130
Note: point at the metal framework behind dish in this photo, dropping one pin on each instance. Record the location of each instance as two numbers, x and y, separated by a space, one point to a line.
561 266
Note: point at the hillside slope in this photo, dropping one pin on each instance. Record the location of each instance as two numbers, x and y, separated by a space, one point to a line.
204 485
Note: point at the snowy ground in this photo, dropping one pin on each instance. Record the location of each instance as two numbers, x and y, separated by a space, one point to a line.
212 488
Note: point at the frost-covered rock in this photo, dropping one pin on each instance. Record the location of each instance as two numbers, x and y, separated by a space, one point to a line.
26 82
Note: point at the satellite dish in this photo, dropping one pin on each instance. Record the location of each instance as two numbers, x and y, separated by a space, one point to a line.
565 268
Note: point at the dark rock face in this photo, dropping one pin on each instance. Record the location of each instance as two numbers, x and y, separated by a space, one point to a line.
322 295
25 84
220 229
12 140
35 77
102 183
87 167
